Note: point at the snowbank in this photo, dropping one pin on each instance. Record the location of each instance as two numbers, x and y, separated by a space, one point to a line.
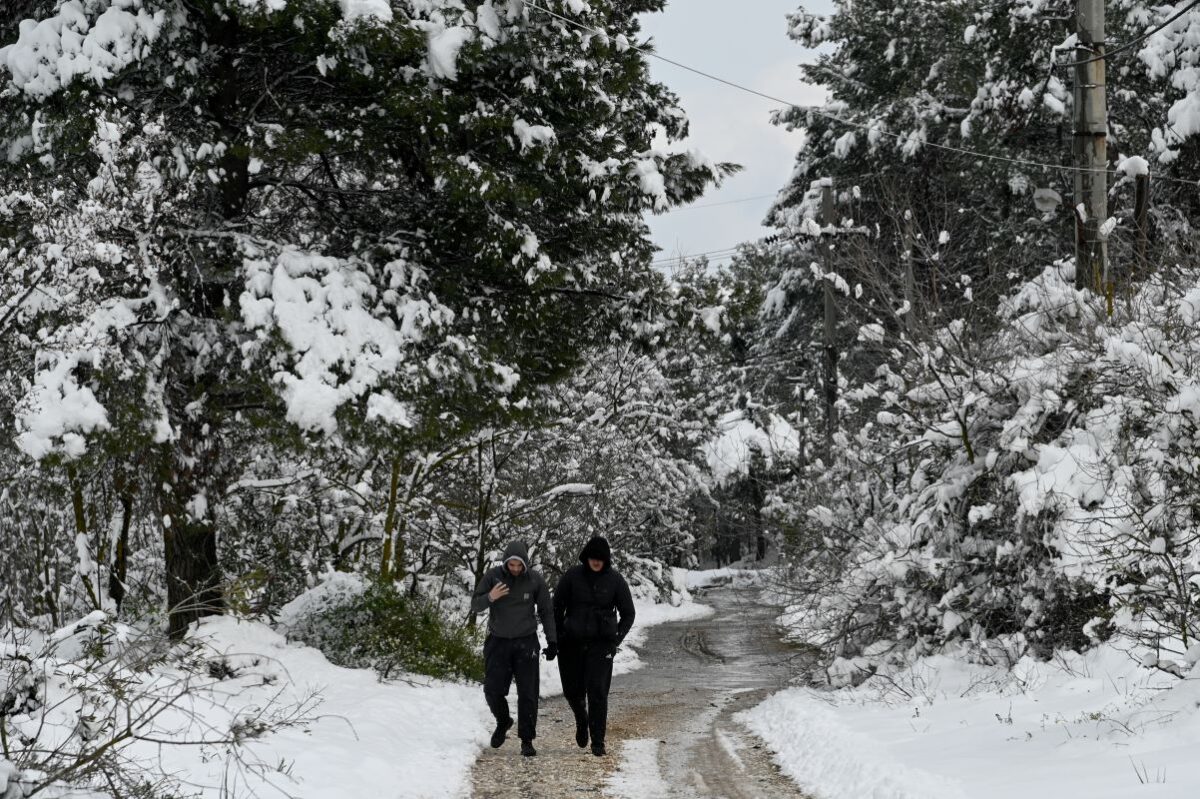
1093 725
732 576
418 737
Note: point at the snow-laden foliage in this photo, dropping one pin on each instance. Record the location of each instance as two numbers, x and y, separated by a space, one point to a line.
229 230
376 626
1025 490
915 82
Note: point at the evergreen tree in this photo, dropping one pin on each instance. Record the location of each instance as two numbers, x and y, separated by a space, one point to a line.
914 83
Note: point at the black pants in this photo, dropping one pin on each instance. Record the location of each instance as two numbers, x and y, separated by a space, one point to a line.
586 672
504 659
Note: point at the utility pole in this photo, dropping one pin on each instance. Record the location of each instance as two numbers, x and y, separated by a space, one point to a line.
830 378
1091 148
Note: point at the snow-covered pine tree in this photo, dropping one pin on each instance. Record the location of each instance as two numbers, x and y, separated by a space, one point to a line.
908 79
219 215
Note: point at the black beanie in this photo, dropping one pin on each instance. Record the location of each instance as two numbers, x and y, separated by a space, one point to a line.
596 549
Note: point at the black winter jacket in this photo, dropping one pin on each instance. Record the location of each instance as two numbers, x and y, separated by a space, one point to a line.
586 604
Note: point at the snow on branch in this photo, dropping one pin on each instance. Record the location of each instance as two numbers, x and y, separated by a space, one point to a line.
49 54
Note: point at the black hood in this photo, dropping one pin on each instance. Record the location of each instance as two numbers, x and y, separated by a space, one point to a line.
597 549
518 550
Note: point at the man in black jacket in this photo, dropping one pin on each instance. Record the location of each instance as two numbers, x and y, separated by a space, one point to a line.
510 593
586 603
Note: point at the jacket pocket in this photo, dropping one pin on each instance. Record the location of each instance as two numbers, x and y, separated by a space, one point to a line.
606 623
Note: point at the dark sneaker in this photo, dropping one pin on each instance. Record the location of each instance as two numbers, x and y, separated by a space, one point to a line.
598 750
502 727
581 734
527 749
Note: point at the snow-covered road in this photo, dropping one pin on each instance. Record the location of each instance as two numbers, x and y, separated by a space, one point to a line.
671 727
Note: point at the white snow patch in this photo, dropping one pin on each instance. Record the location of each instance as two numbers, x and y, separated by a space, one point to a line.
571 489
444 47
638 775
832 760
711 317
359 9
391 410
1078 726
1133 166
738 439
58 412
532 135
419 736
324 308
49 54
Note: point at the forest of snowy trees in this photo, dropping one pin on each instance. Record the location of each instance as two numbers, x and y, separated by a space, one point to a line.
298 288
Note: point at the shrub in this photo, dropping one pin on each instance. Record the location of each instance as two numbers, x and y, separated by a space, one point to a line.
381 628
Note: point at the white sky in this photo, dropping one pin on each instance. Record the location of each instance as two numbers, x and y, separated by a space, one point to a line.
744 41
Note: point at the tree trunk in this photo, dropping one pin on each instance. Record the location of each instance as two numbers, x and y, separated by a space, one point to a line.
193 584
119 569
189 532
189 467
81 530
389 524
829 377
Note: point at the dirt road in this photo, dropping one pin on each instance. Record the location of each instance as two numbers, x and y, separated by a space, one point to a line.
671 732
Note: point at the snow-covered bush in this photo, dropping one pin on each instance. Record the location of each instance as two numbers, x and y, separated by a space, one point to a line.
1030 489
100 708
362 624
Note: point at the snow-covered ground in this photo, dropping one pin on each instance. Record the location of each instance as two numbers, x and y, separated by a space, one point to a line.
1094 725
417 736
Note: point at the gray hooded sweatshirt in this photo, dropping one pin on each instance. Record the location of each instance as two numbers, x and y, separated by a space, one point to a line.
512 615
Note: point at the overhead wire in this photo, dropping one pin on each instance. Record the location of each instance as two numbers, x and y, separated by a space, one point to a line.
725 202
841 120
1130 44
724 251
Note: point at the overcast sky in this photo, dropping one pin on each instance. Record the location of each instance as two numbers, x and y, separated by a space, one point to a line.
744 41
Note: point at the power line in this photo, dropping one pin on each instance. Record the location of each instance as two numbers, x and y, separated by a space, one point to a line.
722 252
834 118
724 202
1110 53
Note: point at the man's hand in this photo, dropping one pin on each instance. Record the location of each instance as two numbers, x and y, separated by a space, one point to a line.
498 590
551 651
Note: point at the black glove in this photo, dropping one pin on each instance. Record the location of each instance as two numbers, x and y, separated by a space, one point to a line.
612 649
551 651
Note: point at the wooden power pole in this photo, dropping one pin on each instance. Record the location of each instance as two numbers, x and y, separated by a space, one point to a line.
1091 148
829 377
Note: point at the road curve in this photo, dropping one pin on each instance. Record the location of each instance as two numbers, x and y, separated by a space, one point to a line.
672 732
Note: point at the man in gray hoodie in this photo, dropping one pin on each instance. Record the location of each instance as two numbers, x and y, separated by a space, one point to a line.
510 593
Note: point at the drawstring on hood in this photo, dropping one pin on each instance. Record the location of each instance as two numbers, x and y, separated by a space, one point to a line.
597 549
